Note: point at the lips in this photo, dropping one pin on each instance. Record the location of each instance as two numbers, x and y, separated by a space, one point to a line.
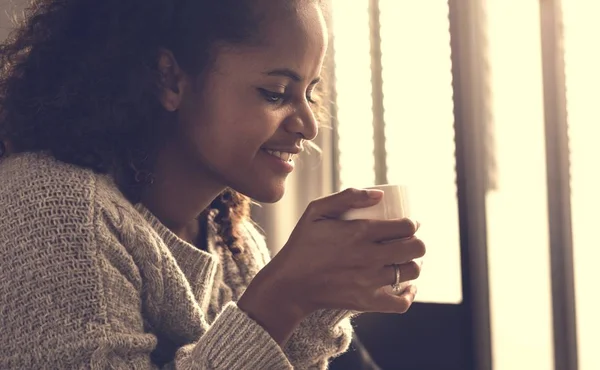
284 156
286 153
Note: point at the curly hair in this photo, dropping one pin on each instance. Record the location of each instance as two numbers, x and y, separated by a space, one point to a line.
79 80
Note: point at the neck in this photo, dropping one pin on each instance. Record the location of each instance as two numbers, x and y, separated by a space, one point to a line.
180 193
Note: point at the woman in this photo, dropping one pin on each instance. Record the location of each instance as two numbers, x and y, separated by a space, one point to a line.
138 131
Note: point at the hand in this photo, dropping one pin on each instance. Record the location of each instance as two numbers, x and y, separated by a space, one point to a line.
330 263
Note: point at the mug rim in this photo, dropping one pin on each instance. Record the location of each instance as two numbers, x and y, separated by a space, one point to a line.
386 186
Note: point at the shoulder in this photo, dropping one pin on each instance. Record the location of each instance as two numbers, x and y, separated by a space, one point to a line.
59 218
38 174
66 271
35 188
41 197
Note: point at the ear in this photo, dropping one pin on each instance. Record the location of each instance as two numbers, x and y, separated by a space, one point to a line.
173 80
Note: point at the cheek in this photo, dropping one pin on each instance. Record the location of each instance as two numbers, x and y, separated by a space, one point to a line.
247 126
222 141
228 129
199 136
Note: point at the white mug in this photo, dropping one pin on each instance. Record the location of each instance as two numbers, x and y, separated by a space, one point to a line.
393 205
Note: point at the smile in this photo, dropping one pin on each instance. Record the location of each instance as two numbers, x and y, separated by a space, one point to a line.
284 156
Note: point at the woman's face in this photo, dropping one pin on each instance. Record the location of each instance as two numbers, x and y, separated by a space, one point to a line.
239 123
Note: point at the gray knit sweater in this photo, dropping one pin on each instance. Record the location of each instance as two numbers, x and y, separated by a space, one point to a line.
89 281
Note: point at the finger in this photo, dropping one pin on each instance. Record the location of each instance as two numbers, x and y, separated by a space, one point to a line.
409 294
333 206
420 261
401 290
398 251
387 275
388 230
389 303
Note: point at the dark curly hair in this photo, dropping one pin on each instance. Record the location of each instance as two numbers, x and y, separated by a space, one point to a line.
79 80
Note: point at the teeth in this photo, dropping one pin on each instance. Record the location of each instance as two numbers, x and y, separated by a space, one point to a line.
284 156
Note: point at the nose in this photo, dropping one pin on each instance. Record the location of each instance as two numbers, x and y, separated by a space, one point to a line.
303 122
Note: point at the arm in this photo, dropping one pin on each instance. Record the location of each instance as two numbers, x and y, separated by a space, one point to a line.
319 337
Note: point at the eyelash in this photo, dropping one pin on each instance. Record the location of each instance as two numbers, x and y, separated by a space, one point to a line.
277 98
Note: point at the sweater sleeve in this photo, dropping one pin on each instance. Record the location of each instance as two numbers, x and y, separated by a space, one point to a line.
73 296
320 337
233 341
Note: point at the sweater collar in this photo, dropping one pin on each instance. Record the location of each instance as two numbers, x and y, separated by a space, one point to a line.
198 266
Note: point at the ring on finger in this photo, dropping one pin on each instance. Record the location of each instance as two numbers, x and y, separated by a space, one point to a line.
396 285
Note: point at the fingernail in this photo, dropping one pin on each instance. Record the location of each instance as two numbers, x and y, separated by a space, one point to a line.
374 193
415 222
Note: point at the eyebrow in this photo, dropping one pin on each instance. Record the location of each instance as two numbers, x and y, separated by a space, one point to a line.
286 72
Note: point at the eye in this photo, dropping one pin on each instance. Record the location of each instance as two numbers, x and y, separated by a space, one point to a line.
271 96
309 94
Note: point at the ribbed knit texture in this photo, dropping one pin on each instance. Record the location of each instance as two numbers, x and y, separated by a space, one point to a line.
89 281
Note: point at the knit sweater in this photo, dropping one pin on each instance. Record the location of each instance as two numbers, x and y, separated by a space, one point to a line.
90 281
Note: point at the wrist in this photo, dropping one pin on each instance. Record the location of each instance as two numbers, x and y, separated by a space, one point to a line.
271 307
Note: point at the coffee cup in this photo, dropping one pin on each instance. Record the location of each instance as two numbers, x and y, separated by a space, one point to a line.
393 205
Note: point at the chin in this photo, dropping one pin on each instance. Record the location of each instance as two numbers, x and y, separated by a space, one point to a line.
264 193
266 196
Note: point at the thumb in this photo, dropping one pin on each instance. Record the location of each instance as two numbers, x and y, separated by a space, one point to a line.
333 206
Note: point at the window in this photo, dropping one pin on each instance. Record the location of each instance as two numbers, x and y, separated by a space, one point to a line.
583 79
402 115
394 80
517 212
418 120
